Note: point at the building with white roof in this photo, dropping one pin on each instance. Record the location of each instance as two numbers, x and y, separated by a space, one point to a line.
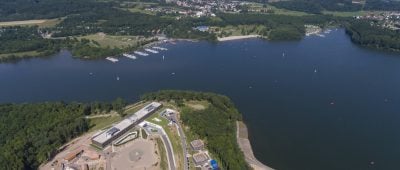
106 137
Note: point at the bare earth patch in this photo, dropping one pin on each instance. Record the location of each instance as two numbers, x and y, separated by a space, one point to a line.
139 154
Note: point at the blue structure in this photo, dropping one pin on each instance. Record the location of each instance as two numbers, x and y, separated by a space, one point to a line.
214 164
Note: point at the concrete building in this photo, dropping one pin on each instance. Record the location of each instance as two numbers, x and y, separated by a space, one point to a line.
200 159
197 145
106 137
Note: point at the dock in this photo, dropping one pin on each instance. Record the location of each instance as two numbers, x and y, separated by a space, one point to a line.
112 59
129 56
141 53
151 51
160 48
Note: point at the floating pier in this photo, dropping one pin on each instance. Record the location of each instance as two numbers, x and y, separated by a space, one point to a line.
150 50
141 53
129 56
161 48
112 59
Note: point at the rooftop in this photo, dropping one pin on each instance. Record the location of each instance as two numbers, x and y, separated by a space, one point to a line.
197 143
120 126
200 157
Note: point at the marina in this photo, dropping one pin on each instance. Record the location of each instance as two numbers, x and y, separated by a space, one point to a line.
129 56
112 59
151 51
141 53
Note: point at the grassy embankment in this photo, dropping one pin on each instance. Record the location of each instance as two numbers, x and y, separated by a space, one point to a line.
163 154
98 123
172 134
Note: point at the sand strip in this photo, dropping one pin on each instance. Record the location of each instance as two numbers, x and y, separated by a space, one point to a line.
245 146
237 37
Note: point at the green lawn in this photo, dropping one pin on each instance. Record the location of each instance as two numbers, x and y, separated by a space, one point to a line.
163 154
231 30
114 41
102 122
279 11
21 54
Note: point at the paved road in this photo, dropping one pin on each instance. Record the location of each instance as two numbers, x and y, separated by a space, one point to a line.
183 142
168 146
169 152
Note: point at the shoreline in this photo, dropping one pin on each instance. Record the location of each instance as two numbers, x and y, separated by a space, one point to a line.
238 37
244 145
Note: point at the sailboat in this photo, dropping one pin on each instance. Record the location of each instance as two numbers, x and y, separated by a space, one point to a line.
163 57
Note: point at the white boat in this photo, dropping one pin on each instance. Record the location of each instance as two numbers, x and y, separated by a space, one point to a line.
114 60
160 48
129 56
117 78
315 71
150 50
163 57
141 53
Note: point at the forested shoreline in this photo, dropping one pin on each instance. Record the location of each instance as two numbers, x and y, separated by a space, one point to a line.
31 133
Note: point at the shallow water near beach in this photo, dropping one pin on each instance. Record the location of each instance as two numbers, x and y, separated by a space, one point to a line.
320 103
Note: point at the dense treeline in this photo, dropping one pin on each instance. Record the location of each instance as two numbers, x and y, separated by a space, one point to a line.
317 6
373 35
20 39
385 5
31 133
25 39
120 22
11 10
216 124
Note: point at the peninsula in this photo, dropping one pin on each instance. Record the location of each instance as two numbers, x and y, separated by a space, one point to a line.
165 130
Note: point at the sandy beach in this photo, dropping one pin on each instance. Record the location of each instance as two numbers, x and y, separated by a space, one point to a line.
245 146
237 37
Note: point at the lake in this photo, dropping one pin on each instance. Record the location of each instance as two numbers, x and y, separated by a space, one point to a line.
319 103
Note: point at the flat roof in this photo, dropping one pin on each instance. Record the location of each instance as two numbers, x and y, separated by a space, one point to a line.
120 126
197 143
200 157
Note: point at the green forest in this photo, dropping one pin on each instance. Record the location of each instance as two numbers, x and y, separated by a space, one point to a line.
216 124
372 35
31 133
318 6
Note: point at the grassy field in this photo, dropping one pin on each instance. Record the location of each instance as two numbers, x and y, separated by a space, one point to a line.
163 154
114 41
102 122
351 14
21 54
40 23
258 7
231 30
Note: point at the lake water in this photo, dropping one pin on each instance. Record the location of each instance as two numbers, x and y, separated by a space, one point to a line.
325 104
